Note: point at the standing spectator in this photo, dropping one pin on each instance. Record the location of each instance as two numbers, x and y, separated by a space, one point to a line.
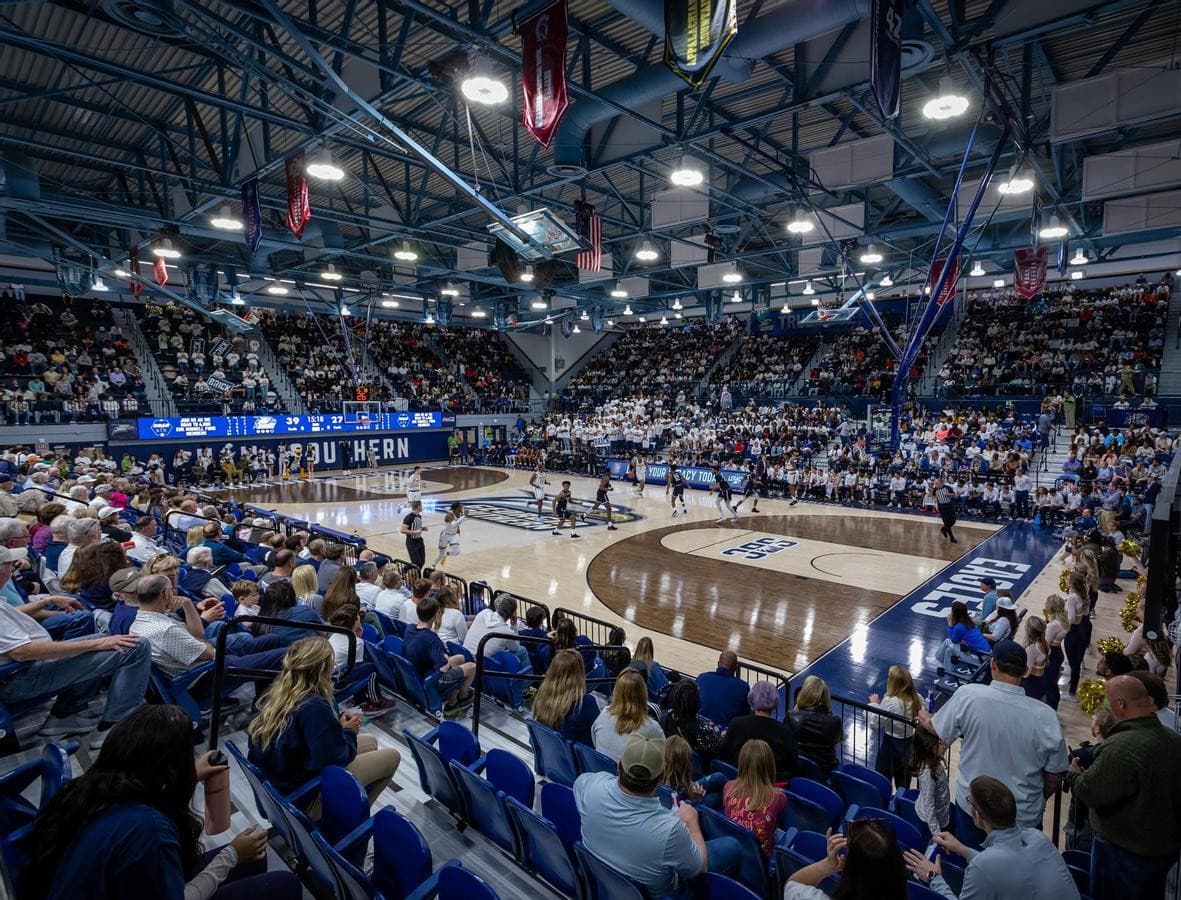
723 693
818 731
1004 732
933 804
1016 863
893 758
762 725
1133 789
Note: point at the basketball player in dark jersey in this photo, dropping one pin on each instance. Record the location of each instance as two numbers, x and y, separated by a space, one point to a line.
724 492
676 483
601 500
561 506
754 486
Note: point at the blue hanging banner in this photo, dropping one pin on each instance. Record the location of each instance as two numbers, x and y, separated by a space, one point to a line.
443 311
713 307
885 72
504 313
567 327
251 215
74 276
1063 249
596 319
202 284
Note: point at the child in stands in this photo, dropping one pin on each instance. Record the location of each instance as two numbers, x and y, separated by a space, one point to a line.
752 800
933 804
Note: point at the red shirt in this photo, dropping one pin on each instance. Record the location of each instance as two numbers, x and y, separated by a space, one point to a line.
762 822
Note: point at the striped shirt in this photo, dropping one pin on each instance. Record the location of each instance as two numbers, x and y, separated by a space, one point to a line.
943 495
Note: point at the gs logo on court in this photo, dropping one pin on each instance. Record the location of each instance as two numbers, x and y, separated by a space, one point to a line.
759 548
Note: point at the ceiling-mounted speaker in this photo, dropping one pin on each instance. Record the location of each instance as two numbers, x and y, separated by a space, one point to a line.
154 17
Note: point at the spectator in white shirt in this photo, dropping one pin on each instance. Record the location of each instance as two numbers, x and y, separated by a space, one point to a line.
392 595
143 539
502 620
367 587
81 533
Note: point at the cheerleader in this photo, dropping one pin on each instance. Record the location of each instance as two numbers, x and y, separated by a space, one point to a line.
449 535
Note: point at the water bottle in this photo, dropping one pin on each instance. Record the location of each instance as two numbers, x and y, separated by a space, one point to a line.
217 796
930 701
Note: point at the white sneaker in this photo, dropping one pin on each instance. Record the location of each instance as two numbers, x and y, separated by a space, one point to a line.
674 513
720 520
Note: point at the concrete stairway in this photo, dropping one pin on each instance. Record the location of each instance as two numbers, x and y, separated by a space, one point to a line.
798 386
158 393
290 398
723 360
1168 389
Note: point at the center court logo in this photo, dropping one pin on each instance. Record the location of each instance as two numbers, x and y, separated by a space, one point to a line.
760 548
161 428
521 512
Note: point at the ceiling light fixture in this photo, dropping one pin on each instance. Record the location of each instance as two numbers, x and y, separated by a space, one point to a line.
999 283
390 304
225 220
576 330
278 290
808 289
479 314
688 173
1015 184
1076 274
677 316
482 84
584 315
1080 258
538 304
324 167
948 103
643 319
330 274
99 286
449 290
871 256
737 297
405 253
815 301
800 223
887 281
430 319
677 304
870 295
1053 230
664 320
122 273
527 274
344 310
646 252
618 292
977 269
627 310
165 250
732 276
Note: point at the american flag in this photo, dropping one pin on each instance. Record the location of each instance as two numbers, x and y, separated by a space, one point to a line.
590 228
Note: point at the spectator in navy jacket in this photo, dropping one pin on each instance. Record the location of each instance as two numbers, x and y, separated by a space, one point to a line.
723 693
124 829
298 731
222 554
562 702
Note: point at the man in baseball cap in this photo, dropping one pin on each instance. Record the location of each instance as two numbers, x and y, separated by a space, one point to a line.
626 826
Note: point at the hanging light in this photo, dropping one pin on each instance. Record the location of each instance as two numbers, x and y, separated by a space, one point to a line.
732 275
870 295
808 289
948 103
618 292
677 304
344 310
164 249
430 319
539 304
324 168
527 274
643 319
999 283
815 301
610 323
646 252
277 290
688 173
677 316
576 330
1076 274
1017 183
584 316
800 223
1080 258
977 269
664 320
99 286
449 290
482 84
887 281
330 274
737 298
405 253
226 221
122 273
479 314
871 256
1054 229
627 310
390 304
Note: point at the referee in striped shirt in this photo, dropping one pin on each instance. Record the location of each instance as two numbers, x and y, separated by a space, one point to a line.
945 502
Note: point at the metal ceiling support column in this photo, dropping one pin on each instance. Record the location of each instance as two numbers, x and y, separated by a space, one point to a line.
403 137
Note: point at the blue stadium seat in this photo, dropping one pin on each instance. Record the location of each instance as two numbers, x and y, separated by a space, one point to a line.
605 882
178 690
589 759
543 852
267 797
553 759
401 857
484 808
16 812
558 806
908 836
812 806
343 806
434 774
712 886
422 692
454 882
857 792
797 850
393 645
752 870
871 776
904 809
456 743
724 768
809 768
508 690
510 775
369 634
387 674
389 626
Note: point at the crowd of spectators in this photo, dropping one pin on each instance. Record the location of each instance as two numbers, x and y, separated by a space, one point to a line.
494 378
1096 343
766 365
858 363
63 360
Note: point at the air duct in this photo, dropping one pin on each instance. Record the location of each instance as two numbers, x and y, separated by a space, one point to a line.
18 178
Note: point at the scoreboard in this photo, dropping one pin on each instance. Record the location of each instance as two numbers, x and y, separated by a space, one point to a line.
269 426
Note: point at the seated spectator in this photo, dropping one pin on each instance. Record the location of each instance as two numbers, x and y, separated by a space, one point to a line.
625 715
563 702
246 597
334 559
214 538
678 775
868 860
278 602
144 537
423 648
752 800
297 732
90 573
349 616
342 591
683 718
392 595
658 682
81 533
818 731
762 725
112 526
199 578
565 636
723 693
59 528
1017 863
72 669
501 620
535 627
450 622
961 630
616 660
304 583
625 825
367 589
409 611
124 828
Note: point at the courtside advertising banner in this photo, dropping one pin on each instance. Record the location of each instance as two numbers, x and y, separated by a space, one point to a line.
696 33
543 70
1029 276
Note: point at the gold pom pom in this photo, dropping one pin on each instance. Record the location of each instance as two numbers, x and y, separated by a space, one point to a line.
1110 645
1064 581
1092 693
1141 581
1129 547
1129 616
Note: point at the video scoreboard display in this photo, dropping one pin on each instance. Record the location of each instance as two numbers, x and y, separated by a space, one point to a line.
270 426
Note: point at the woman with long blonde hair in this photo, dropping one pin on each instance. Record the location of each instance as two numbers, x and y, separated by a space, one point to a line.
893 758
1037 652
303 581
752 800
562 702
298 731
627 714
658 682
1057 627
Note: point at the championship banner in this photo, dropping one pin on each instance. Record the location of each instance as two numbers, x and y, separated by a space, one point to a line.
504 313
567 328
1029 276
251 215
298 208
202 283
696 33
133 268
543 71
160 271
444 310
948 292
596 319
885 72
74 276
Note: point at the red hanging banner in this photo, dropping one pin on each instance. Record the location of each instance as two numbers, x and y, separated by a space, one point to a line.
133 268
160 271
543 71
948 292
298 208
1029 275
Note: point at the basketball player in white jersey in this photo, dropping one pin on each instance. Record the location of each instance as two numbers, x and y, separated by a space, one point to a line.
537 482
414 486
641 474
449 535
